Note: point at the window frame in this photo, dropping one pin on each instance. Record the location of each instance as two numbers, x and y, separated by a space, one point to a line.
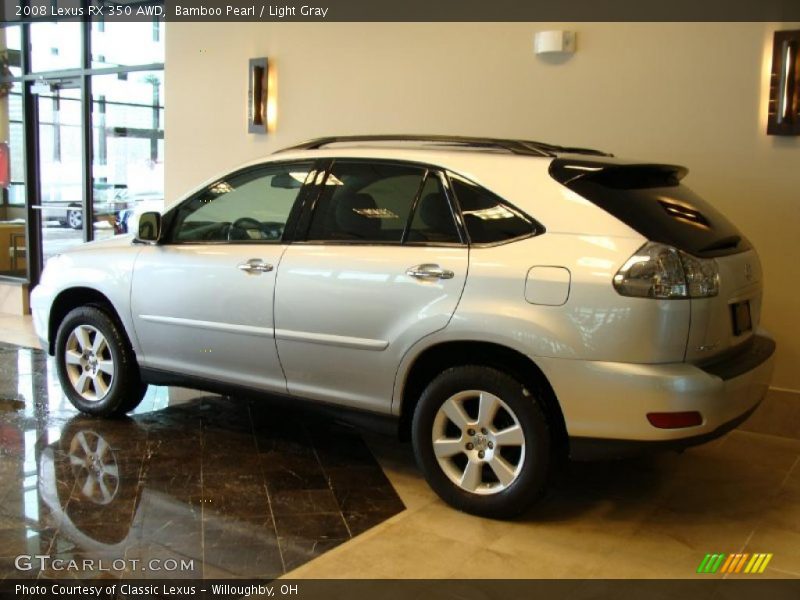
170 218
428 170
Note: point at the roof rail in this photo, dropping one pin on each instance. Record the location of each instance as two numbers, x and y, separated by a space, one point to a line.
523 147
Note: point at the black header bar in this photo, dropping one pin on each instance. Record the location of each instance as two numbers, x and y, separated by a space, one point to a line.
404 10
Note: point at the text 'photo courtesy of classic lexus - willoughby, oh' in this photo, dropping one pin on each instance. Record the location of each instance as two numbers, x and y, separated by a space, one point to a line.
501 303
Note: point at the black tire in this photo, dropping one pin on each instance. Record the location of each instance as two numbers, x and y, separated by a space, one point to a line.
125 389
533 455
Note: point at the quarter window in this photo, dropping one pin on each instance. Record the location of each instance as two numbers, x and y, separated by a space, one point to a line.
250 206
487 217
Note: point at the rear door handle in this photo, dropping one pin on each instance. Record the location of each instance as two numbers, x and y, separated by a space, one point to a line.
255 266
429 271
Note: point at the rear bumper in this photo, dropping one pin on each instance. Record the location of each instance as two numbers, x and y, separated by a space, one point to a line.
585 449
605 404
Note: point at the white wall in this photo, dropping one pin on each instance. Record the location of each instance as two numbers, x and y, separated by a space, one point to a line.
687 93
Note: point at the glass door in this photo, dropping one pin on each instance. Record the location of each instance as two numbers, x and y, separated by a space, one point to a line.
60 164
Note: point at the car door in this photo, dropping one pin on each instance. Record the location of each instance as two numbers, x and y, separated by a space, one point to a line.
381 264
202 299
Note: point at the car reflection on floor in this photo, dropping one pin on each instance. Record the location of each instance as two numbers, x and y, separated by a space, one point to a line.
191 486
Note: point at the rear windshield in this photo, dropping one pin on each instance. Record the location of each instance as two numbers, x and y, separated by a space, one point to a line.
651 200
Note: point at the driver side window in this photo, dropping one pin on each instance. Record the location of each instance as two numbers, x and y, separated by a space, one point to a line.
249 206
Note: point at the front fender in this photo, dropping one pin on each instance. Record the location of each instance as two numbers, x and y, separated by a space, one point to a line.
102 270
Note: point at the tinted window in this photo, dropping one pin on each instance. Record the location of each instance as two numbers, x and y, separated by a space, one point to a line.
250 206
433 220
651 200
365 202
487 217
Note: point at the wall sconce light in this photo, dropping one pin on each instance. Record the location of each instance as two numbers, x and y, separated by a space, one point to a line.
257 88
784 86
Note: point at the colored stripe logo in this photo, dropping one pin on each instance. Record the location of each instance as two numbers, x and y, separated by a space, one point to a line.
751 564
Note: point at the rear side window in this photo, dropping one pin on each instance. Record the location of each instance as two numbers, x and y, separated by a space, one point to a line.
433 219
488 218
365 202
383 203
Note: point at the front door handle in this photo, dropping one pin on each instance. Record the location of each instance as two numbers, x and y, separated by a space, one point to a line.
429 271
255 265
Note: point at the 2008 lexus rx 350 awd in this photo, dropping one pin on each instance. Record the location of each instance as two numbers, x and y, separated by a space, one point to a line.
502 301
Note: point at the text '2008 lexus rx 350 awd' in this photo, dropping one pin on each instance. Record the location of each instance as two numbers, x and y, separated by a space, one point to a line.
501 302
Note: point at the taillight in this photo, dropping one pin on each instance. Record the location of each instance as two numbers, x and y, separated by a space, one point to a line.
661 271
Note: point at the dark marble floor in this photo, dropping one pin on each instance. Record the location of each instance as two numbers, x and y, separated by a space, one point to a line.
212 485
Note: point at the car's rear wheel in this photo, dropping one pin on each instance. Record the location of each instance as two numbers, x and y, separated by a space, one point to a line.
96 365
482 441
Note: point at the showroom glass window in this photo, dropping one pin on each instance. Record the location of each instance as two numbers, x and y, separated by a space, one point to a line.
82 118
375 202
251 206
127 124
13 215
128 148
55 46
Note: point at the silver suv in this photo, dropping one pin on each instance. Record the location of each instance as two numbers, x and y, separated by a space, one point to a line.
501 302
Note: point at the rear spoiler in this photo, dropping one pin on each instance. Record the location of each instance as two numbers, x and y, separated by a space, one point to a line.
650 199
616 173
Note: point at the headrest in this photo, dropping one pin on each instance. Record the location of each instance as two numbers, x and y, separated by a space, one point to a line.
353 223
435 212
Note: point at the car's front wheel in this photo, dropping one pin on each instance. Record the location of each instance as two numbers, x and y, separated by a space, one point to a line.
96 365
482 441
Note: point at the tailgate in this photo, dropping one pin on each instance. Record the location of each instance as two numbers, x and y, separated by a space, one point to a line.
725 321
651 199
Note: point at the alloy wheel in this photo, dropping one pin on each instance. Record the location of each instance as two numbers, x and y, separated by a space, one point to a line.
478 442
89 362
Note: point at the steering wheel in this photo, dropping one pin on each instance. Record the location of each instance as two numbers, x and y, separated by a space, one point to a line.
273 230
243 224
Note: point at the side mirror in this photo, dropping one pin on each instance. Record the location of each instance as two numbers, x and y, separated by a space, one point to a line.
149 227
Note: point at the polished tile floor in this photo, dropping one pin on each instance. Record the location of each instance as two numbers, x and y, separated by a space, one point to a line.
202 469
235 489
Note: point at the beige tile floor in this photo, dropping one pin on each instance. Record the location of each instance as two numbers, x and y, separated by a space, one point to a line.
647 518
653 517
